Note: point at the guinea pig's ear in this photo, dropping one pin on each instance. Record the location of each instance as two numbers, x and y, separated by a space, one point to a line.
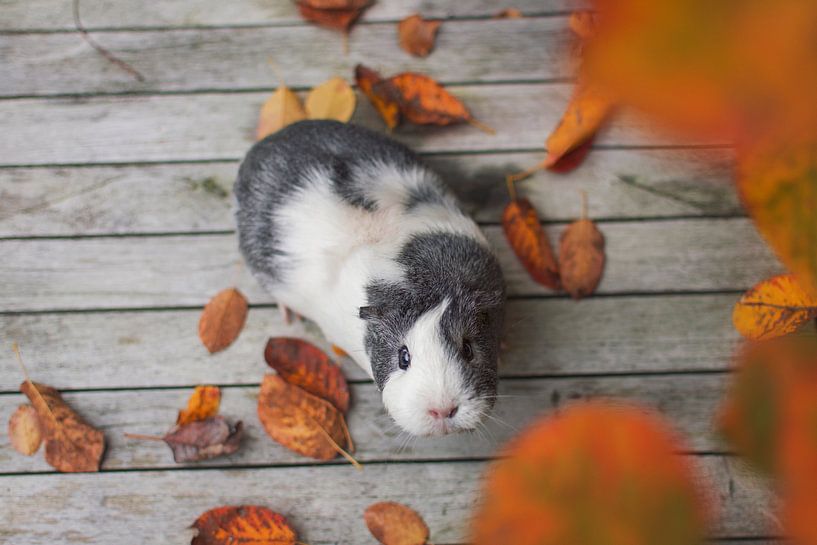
368 313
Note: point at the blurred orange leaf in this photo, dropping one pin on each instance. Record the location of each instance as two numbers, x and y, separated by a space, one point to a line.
223 319
304 364
774 307
24 430
583 23
203 403
393 523
596 472
337 14
530 243
381 96
250 524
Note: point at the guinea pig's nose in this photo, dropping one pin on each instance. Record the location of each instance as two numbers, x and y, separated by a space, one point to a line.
448 412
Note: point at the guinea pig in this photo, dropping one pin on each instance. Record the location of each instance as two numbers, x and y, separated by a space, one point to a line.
350 229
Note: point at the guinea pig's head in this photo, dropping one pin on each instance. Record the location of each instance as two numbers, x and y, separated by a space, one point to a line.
436 361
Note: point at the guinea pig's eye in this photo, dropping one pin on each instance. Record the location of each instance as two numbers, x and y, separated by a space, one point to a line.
403 358
467 350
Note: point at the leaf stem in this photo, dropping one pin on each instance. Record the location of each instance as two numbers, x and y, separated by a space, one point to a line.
142 437
101 50
16 348
481 126
519 176
337 447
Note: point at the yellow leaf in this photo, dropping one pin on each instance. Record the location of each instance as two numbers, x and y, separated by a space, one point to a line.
332 99
282 108
203 404
774 307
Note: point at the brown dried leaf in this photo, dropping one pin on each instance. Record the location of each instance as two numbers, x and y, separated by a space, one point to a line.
282 108
581 257
332 99
307 366
393 523
71 444
530 243
222 319
337 14
204 439
248 524
300 421
417 35
24 430
425 102
381 96
203 404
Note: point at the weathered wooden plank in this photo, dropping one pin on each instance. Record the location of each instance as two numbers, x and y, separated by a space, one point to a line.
238 58
544 337
688 401
39 201
166 271
47 15
115 129
325 503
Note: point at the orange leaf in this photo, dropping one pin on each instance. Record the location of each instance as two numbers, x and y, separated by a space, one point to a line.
71 444
530 243
282 108
596 472
774 307
307 366
247 524
203 404
337 14
24 430
588 109
339 352
222 319
393 523
777 180
299 420
417 35
581 257
381 96
425 102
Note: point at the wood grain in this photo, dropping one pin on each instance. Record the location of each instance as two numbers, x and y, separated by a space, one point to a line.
325 504
59 201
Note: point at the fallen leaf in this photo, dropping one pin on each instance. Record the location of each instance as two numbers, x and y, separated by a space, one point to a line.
301 421
509 13
530 243
777 181
393 523
222 319
380 95
307 366
572 159
587 110
581 256
24 430
583 23
417 35
203 404
71 444
282 108
337 14
248 524
332 99
203 439
774 307
594 472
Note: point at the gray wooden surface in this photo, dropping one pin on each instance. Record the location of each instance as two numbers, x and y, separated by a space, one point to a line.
116 226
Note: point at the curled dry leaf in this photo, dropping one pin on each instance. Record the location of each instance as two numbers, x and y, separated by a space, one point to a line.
581 256
203 404
222 319
588 109
393 523
71 444
530 243
307 366
282 108
301 421
250 524
203 439
417 35
647 487
774 307
380 95
337 14
24 430
332 99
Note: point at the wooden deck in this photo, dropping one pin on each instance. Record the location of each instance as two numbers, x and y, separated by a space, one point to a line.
112 239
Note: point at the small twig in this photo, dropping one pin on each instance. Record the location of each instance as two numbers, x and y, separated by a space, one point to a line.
347 434
337 447
102 51
481 126
142 437
519 176
16 348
